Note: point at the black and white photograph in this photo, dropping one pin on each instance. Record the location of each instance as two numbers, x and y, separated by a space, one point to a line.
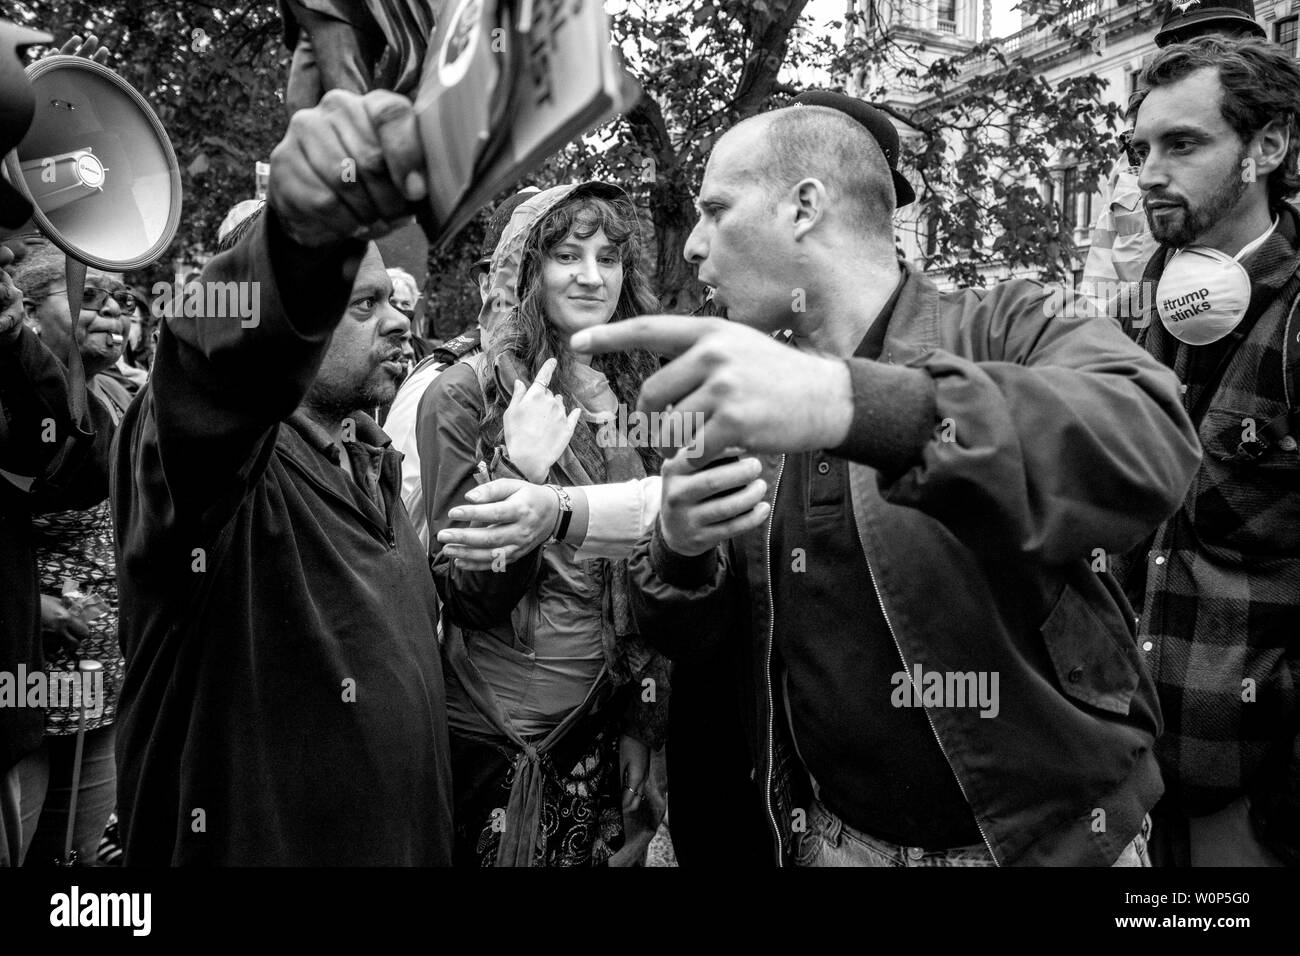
716 435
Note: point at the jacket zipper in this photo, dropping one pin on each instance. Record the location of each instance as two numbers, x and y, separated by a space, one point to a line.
767 666
890 624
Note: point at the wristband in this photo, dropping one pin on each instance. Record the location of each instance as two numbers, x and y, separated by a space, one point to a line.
565 515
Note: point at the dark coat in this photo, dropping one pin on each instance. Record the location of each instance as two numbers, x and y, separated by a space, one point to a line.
1070 442
283 701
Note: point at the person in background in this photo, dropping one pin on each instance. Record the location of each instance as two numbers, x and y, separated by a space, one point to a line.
73 534
33 397
555 703
143 335
1120 242
228 232
131 370
1217 133
405 298
45 434
406 293
401 421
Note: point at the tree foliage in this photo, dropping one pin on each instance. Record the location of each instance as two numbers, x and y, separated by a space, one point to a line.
987 129
214 74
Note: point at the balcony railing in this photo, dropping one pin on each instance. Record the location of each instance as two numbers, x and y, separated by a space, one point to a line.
1073 13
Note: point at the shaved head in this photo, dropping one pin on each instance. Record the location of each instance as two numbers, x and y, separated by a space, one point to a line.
815 142
794 206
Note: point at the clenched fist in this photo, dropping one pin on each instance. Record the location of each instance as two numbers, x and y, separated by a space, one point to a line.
352 166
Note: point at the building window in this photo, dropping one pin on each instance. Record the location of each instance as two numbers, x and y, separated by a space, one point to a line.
1075 201
931 236
947 16
1284 33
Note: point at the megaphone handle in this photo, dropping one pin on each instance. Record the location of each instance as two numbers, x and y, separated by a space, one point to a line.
76 784
75 273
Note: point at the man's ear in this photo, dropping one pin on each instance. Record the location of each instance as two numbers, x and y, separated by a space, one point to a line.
484 284
1268 149
809 198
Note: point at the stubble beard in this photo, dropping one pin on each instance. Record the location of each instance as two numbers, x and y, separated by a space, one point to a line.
1194 220
335 403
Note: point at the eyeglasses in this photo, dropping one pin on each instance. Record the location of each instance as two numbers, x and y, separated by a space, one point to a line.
93 298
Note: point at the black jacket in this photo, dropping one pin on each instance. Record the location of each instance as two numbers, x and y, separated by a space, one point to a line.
283 701
1069 442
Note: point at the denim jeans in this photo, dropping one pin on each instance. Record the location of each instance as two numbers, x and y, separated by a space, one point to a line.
829 841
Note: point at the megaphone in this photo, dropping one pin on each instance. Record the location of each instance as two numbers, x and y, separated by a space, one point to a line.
96 166
16 108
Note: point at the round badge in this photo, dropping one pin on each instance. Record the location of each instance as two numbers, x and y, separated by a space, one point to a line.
458 48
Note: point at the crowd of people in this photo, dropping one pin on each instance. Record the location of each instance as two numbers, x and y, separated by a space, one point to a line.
924 578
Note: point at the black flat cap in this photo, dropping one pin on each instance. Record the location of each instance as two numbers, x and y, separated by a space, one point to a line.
876 123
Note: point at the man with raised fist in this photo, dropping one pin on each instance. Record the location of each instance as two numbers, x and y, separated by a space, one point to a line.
283 701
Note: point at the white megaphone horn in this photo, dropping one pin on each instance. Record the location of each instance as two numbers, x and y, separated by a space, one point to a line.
97 168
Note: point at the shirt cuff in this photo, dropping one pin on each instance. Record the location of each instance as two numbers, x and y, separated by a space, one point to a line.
681 570
893 415
619 514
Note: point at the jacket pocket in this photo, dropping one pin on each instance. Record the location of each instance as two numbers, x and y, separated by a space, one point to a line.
1091 664
1248 505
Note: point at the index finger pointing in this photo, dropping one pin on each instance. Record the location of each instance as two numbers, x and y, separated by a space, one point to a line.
394 121
669 335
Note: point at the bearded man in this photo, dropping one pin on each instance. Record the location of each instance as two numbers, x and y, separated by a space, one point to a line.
1219 583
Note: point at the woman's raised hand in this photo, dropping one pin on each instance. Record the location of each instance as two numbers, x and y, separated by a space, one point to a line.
537 430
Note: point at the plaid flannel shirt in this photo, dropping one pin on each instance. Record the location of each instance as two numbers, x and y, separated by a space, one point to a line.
1220 586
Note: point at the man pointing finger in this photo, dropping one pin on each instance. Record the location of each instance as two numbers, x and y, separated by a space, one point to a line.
945 466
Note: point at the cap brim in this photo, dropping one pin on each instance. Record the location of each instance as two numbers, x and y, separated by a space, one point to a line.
1199 19
903 192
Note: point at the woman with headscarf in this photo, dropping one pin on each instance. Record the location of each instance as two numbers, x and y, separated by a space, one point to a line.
554 701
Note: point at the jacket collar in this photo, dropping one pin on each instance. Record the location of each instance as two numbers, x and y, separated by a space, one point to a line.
368 434
914 325
300 431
